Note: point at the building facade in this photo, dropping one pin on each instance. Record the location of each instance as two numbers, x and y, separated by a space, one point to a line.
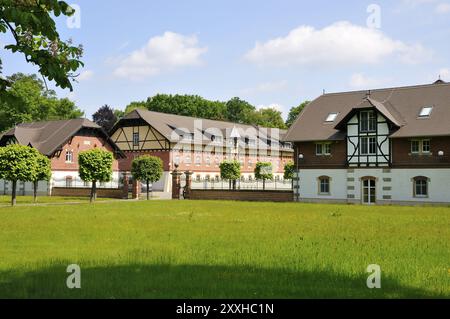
198 145
61 142
375 147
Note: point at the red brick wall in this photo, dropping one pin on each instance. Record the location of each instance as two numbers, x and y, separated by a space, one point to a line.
125 164
86 192
242 195
77 145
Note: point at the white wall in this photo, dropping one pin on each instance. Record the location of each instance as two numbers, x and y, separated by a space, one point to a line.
392 185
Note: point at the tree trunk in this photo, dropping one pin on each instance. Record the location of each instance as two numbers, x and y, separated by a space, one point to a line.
35 188
264 184
93 191
13 193
148 190
229 184
234 184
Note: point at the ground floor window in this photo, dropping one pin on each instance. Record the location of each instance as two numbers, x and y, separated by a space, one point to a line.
420 186
324 185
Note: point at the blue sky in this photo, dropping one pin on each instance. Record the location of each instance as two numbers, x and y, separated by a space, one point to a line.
271 53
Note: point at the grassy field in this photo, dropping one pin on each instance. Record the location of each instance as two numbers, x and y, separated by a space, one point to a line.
6 200
200 249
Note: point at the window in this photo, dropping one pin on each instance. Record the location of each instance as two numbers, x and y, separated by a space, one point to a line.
426 111
368 145
426 146
323 149
69 156
331 117
324 185
420 146
198 160
420 186
368 121
69 181
135 139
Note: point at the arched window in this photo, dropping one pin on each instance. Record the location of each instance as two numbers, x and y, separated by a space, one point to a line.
324 185
420 186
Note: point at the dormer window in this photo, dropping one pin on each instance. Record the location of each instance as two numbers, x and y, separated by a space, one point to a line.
331 117
425 112
368 121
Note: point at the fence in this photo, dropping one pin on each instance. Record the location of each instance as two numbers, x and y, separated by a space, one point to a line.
241 184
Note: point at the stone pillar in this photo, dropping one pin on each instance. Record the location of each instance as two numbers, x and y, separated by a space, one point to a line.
136 191
176 183
188 187
125 186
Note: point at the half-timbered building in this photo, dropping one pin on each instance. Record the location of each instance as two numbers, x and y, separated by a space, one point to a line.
380 146
198 145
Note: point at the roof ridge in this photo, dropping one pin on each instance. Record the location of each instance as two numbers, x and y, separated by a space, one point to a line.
408 87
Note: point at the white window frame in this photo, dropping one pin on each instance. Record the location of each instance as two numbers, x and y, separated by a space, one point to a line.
135 138
368 121
368 139
325 149
69 156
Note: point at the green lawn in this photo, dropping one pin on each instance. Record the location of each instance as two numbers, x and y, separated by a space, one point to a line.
6 200
194 249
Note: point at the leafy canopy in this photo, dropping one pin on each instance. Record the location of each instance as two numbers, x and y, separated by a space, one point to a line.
18 163
32 26
230 170
147 168
95 165
105 117
263 170
43 168
289 170
27 100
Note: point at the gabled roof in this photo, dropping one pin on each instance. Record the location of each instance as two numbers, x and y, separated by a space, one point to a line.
401 106
48 136
368 103
168 124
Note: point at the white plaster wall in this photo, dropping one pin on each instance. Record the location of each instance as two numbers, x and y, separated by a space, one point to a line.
309 187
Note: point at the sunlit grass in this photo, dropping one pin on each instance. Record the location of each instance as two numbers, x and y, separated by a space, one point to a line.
170 249
6 200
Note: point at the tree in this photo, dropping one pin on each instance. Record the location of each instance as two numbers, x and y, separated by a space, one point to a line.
231 171
289 171
135 105
43 173
105 117
18 163
240 111
270 117
34 32
27 100
119 114
263 171
147 168
95 166
295 112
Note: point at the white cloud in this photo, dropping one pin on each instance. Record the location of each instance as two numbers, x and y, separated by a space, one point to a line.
85 75
341 43
443 8
161 54
361 81
275 106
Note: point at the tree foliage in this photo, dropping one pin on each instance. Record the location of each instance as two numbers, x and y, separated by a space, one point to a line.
95 166
263 170
105 117
230 171
235 110
32 26
43 172
289 170
295 112
27 100
148 169
18 163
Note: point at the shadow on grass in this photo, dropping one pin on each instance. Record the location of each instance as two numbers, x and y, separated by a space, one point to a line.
187 281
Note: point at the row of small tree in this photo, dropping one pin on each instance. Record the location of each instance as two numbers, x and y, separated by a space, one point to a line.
231 171
26 164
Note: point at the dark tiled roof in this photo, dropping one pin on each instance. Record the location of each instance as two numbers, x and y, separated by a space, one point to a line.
167 124
48 136
400 105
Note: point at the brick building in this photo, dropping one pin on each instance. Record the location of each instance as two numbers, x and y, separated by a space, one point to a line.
61 141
